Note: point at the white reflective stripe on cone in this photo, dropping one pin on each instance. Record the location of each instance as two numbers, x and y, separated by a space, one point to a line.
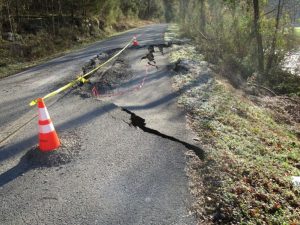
45 129
43 114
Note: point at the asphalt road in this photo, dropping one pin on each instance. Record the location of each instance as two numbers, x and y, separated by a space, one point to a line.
119 174
156 100
18 90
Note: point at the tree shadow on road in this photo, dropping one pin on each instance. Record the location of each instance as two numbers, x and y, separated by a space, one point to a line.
7 152
10 150
20 169
167 98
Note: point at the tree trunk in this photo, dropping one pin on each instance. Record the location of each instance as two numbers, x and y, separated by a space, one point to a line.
149 8
72 13
259 43
47 8
274 40
202 16
83 8
1 18
17 15
183 9
61 18
9 17
53 21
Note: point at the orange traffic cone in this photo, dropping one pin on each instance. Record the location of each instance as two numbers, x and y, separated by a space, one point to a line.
48 139
135 42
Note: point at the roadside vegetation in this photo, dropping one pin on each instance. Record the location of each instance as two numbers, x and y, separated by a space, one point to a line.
246 39
245 113
35 49
252 145
31 31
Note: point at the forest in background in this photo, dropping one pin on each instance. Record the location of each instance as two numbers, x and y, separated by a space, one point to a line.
31 30
19 16
247 39
250 135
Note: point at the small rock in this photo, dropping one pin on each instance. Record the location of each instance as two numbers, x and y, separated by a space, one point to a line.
204 64
218 217
102 56
209 199
296 181
184 65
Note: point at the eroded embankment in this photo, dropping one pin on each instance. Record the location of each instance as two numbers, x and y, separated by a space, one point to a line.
252 144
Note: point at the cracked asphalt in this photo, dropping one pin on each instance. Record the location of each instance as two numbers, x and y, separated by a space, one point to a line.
120 174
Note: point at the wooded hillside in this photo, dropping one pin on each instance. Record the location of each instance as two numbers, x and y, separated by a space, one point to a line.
247 38
31 30
19 16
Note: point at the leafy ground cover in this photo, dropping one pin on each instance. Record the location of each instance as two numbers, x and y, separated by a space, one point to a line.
35 49
252 145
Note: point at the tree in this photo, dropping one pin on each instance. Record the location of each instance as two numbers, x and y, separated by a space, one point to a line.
274 40
257 33
171 10
202 16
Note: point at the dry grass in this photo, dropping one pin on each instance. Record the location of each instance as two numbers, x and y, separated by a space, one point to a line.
253 150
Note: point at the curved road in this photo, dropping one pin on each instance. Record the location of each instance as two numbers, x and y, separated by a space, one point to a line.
18 90
119 173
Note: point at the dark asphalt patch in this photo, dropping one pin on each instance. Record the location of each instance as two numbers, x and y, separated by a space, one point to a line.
33 159
67 152
140 122
107 79
84 90
119 73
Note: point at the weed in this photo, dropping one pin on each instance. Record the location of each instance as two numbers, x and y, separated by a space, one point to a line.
250 153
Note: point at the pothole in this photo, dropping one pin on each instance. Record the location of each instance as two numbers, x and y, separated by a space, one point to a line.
66 153
119 73
115 79
108 79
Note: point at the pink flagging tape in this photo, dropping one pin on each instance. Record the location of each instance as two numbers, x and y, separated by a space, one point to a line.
95 91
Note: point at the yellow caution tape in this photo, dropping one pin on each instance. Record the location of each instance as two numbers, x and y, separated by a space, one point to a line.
81 79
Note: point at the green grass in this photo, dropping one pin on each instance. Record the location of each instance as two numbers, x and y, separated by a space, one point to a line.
249 151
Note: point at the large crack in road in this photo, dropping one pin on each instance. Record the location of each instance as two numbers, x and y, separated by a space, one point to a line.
124 173
139 122
136 121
